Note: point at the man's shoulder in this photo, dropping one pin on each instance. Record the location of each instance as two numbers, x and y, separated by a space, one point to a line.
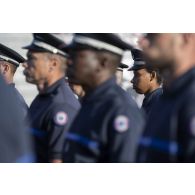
65 95
118 98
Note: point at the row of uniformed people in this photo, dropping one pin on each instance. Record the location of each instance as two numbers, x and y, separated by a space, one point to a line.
52 112
105 128
109 127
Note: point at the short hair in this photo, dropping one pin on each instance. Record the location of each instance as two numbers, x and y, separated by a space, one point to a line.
60 58
13 67
158 75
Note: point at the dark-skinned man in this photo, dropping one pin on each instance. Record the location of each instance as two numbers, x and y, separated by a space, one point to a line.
9 62
169 135
109 123
53 110
79 91
146 80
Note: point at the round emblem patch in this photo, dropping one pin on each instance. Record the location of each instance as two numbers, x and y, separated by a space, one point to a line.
121 123
61 118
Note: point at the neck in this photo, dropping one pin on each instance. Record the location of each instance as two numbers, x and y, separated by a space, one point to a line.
152 88
9 79
43 85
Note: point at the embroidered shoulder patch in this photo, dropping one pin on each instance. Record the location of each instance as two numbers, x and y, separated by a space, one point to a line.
121 123
61 118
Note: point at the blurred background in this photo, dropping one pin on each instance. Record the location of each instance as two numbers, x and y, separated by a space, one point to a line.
17 40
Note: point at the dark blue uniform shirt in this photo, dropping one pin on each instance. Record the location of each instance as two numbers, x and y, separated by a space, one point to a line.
106 128
50 114
20 100
150 99
15 142
169 135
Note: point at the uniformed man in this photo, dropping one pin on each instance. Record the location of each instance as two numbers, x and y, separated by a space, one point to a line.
15 142
119 73
169 135
53 110
146 81
9 62
108 125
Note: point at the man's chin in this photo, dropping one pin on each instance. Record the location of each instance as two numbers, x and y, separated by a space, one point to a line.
137 90
74 81
29 80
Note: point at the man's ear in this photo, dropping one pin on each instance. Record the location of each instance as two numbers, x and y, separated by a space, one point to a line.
152 75
6 68
53 63
104 62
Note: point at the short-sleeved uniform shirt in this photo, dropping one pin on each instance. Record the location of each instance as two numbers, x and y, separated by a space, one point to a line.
169 135
106 128
15 140
50 115
150 99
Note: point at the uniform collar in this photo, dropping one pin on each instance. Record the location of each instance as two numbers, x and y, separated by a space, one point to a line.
100 90
53 87
153 93
180 83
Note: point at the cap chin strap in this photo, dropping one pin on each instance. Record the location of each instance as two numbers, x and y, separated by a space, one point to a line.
49 47
97 44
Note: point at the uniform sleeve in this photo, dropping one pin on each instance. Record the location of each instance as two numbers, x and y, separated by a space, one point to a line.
124 132
60 119
187 133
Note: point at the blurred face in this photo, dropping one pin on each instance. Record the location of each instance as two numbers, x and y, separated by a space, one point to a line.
37 67
70 74
141 81
84 64
161 50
